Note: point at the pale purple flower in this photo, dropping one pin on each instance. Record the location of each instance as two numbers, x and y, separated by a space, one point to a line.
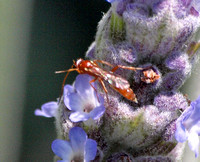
192 6
196 5
79 148
48 109
188 126
110 1
83 100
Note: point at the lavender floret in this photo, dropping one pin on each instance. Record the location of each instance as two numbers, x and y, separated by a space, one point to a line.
188 126
48 110
82 100
79 148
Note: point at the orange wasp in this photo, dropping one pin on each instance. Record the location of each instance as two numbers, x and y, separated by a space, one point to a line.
115 81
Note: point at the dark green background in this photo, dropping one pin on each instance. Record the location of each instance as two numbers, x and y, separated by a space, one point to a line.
61 31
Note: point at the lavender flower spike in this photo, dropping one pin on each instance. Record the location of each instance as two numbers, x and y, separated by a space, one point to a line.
162 38
82 100
80 148
48 109
188 126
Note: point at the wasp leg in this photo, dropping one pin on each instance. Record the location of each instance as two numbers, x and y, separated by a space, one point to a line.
63 83
126 67
104 62
117 66
94 87
104 88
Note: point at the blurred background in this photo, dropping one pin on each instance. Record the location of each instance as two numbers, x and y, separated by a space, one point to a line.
39 37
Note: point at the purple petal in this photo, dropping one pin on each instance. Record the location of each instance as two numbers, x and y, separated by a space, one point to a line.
68 89
90 150
193 142
192 116
83 86
77 138
38 112
188 126
79 116
97 112
101 100
196 5
197 128
73 102
180 134
62 149
82 100
194 12
186 3
110 1
48 109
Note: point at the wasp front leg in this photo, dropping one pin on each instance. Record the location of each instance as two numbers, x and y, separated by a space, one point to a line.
104 88
92 81
64 80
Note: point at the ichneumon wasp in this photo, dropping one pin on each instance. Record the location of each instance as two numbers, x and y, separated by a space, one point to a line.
118 83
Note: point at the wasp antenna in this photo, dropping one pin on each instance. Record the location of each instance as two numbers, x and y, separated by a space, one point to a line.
62 71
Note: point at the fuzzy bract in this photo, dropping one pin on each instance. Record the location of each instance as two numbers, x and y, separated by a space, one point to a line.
79 148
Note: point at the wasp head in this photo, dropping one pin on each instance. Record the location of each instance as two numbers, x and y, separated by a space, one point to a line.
78 62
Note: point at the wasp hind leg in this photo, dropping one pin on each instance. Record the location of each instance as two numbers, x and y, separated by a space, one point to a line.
125 67
104 62
103 86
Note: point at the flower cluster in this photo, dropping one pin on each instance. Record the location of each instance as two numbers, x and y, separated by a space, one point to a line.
84 103
152 45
